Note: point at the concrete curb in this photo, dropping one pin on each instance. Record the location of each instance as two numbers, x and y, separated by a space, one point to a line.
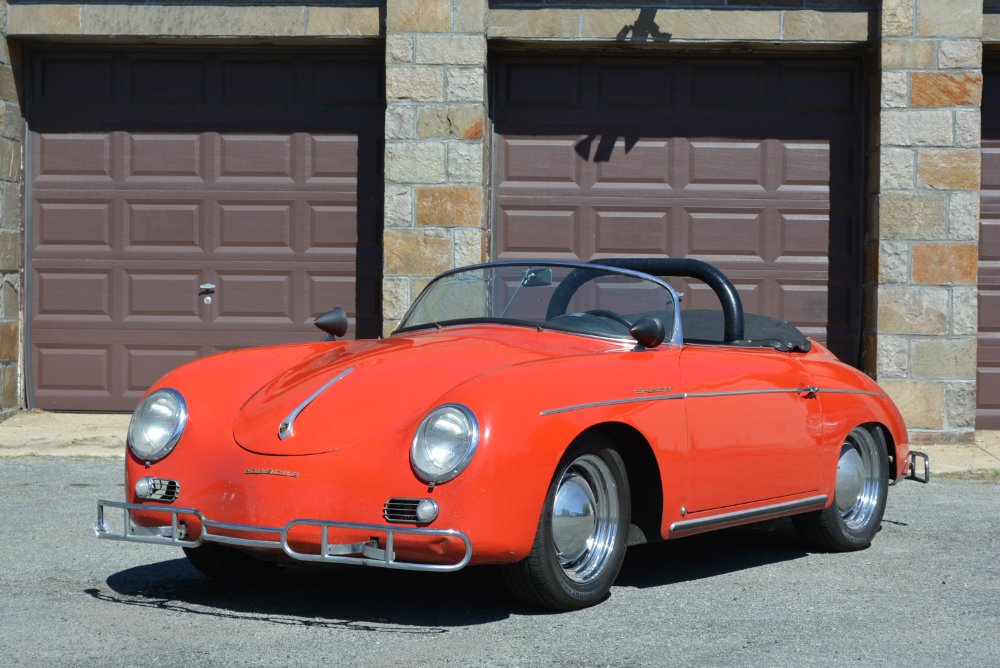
38 433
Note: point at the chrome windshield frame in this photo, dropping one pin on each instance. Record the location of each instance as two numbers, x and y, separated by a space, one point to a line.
676 336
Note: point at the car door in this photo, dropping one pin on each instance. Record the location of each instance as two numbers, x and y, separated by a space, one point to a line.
753 434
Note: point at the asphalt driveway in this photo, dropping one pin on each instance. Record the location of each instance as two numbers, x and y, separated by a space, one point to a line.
925 594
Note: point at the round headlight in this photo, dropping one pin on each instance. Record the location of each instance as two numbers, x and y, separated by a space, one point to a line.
157 424
444 443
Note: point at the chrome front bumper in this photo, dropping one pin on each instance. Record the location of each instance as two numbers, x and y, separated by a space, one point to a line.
366 553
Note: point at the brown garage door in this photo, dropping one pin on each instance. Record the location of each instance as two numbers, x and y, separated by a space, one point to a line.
988 371
753 164
152 174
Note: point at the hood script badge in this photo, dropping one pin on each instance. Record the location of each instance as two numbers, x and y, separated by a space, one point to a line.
287 474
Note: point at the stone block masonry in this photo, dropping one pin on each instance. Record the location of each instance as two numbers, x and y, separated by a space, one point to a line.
11 133
927 214
436 147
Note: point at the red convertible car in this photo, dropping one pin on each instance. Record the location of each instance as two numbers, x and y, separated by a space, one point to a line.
539 415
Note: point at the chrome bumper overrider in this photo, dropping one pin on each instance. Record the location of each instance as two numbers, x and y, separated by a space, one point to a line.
366 553
912 472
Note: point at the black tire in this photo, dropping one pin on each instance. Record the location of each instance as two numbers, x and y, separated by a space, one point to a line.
577 574
862 484
227 564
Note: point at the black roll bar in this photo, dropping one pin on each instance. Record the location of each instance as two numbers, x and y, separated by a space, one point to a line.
732 305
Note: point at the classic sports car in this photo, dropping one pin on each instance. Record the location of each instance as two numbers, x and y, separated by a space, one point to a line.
539 415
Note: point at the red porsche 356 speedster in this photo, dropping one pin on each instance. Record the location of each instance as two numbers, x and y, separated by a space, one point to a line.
539 415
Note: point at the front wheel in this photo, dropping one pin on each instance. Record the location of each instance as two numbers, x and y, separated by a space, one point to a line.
854 517
580 540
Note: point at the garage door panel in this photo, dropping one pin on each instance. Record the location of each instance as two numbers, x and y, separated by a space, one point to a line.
144 365
77 157
333 159
631 232
538 162
66 226
729 87
751 164
628 86
163 227
68 295
638 164
819 87
225 167
725 233
542 86
75 369
248 80
175 81
257 298
736 165
250 158
807 165
79 80
541 229
175 158
168 295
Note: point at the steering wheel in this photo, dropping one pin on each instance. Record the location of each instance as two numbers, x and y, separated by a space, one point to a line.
610 315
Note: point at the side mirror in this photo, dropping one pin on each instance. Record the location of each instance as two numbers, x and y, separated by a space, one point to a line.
333 322
537 278
648 332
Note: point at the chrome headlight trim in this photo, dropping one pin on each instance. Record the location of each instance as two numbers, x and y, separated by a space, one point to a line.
179 417
419 441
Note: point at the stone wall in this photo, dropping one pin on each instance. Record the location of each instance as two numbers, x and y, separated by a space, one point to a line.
11 132
436 144
925 309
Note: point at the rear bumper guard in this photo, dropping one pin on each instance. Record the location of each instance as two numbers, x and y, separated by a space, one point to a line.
367 553
921 473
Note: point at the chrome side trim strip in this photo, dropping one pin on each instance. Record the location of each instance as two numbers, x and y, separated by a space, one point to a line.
664 397
613 402
287 426
740 516
702 395
868 392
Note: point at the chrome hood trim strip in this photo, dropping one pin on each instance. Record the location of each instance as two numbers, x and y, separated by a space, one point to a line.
287 426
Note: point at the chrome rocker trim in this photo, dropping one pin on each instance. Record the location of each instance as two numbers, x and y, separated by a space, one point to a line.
750 515
359 554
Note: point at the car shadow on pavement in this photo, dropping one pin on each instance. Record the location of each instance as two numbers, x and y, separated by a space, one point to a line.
710 554
386 601
326 596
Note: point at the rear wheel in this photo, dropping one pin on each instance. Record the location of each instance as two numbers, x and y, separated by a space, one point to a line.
580 540
854 517
227 564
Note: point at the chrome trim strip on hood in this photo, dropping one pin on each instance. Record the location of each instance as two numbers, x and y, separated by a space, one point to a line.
287 426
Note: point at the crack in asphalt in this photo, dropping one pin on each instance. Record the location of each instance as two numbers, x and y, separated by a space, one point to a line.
175 605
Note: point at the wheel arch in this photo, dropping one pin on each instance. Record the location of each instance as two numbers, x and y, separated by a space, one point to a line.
881 432
645 484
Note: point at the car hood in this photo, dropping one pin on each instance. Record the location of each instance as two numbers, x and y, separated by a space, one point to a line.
380 389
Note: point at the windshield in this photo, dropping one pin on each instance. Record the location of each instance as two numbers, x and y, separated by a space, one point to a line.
576 298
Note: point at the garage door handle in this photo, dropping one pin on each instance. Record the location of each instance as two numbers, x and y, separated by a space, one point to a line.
207 288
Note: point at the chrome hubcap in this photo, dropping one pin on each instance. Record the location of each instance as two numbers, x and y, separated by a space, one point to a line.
585 518
857 483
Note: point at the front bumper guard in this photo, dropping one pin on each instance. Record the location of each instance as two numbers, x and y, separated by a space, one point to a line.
367 553
922 474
